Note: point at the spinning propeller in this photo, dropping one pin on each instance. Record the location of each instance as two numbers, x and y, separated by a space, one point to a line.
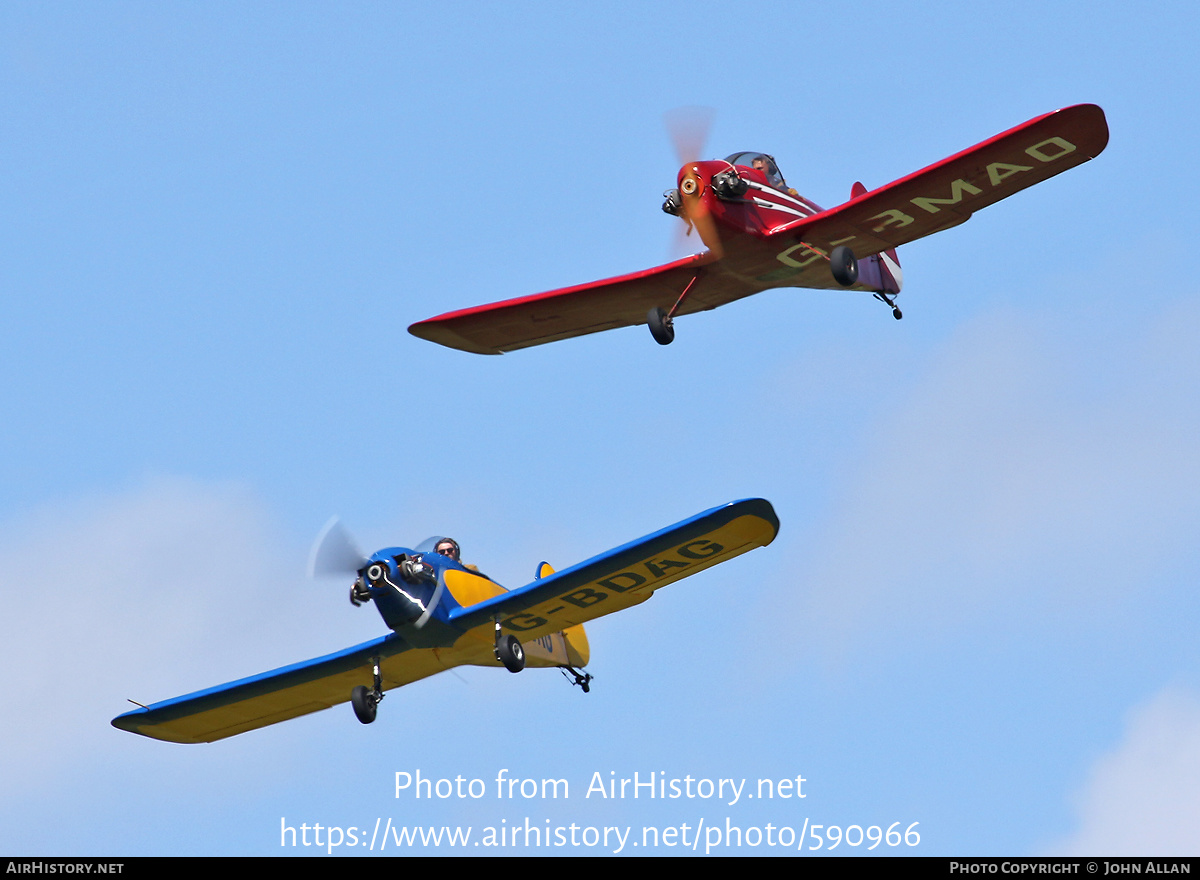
334 553
688 128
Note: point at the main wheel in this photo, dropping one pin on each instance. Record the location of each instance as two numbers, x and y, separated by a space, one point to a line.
897 314
843 265
512 655
661 327
363 701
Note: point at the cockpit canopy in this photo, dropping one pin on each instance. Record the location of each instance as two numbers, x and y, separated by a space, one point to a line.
760 162
430 545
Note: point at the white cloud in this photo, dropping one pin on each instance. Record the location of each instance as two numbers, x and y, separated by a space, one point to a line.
1143 797
138 595
1032 469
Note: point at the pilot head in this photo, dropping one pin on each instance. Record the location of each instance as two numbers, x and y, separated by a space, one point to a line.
448 547
770 170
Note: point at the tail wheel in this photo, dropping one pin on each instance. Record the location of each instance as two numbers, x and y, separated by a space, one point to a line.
364 703
510 653
662 328
843 265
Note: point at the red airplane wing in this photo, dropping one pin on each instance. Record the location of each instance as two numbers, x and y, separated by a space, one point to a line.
946 193
585 308
795 255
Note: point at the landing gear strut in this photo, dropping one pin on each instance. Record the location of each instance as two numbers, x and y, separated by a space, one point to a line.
366 702
509 651
662 323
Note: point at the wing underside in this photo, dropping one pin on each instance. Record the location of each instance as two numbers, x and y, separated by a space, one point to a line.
946 193
284 693
571 311
627 575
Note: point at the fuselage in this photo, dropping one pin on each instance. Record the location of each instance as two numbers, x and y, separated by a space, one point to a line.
419 608
748 206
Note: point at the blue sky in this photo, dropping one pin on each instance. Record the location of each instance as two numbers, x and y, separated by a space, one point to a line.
980 612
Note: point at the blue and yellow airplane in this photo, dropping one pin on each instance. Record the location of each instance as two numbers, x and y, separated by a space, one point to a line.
443 614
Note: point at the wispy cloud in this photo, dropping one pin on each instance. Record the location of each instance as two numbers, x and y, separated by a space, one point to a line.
123 596
1141 798
1027 463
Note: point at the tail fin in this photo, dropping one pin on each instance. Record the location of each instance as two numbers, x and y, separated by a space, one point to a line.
889 270
880 272
575 641
578 651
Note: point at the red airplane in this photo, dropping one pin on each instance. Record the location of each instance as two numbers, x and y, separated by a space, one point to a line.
761 234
